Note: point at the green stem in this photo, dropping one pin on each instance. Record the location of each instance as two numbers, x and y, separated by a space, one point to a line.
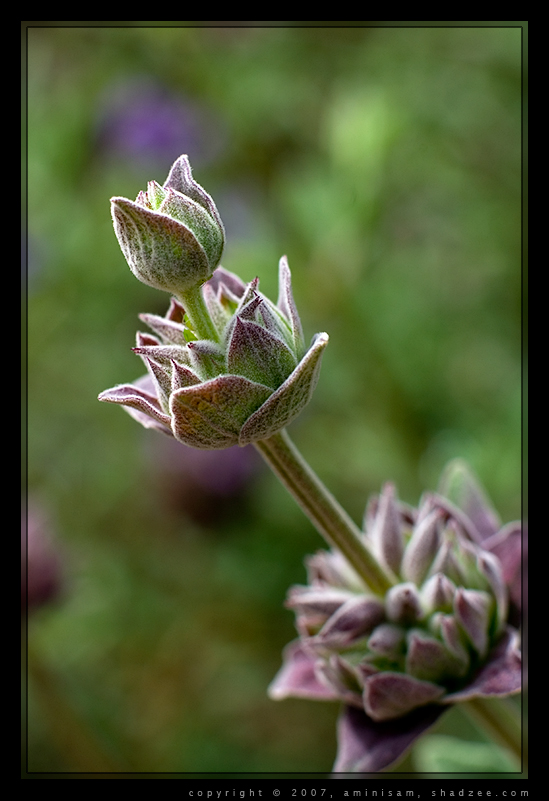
198 314
320 506
501 722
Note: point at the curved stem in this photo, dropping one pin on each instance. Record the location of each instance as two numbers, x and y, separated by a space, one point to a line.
320 506
501 722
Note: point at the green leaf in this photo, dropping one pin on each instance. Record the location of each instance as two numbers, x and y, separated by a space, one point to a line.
439 753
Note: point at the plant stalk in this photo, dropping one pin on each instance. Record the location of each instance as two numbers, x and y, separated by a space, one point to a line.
195 308
501 722
323 510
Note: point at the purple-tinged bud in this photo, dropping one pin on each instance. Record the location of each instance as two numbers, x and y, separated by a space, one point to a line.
317 600
254 352
446 560
437 594
299 677
473 609
403 604
428 659
422 548
385 530
388 640
453 639
355 619
490 567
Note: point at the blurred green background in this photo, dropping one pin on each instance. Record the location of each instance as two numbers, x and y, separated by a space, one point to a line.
386 163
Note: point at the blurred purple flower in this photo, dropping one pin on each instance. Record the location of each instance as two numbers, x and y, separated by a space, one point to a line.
141 119
440 636
41 573
208 486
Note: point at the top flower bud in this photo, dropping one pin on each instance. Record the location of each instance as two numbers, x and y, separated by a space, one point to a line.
172 235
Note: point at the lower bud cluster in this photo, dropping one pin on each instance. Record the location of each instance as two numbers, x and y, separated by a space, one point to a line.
440 634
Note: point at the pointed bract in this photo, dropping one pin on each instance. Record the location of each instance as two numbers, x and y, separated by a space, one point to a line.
287 402
287 306
141 401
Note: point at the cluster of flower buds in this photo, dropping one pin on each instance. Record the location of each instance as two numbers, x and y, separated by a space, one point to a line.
243 376
440 635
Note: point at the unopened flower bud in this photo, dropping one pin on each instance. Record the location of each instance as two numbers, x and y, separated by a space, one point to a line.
437 593
428 659
172 236
422 548
386 531
247 386
473 612
402 604
387 640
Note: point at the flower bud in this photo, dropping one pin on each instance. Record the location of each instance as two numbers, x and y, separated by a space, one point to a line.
172 236
386 531
387 640
473 612
437 593
428 659
403 604
422 548
354 619
244 388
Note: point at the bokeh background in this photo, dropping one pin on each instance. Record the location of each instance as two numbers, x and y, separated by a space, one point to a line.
386 163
